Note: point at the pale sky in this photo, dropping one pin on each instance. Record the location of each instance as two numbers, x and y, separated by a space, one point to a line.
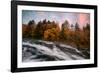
59 17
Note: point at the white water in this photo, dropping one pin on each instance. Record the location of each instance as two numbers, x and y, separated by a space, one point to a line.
48 51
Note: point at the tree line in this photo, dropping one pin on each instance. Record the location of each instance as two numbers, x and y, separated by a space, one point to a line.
51 31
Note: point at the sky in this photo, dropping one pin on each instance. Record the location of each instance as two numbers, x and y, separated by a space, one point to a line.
81 18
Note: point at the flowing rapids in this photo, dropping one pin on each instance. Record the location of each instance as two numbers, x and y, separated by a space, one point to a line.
39 50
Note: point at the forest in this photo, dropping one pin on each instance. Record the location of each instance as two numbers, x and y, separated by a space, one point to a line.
70 34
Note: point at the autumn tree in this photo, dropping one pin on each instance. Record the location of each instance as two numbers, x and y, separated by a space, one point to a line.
28 29
38 30
51 34
52 31
24 31
64 31
77 28
31 27
87 35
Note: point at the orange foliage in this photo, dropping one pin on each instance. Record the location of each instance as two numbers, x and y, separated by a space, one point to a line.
51 31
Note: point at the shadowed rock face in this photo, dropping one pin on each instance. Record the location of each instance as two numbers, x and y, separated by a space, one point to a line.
38 50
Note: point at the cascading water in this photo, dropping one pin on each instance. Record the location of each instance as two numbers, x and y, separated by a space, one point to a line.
39 50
